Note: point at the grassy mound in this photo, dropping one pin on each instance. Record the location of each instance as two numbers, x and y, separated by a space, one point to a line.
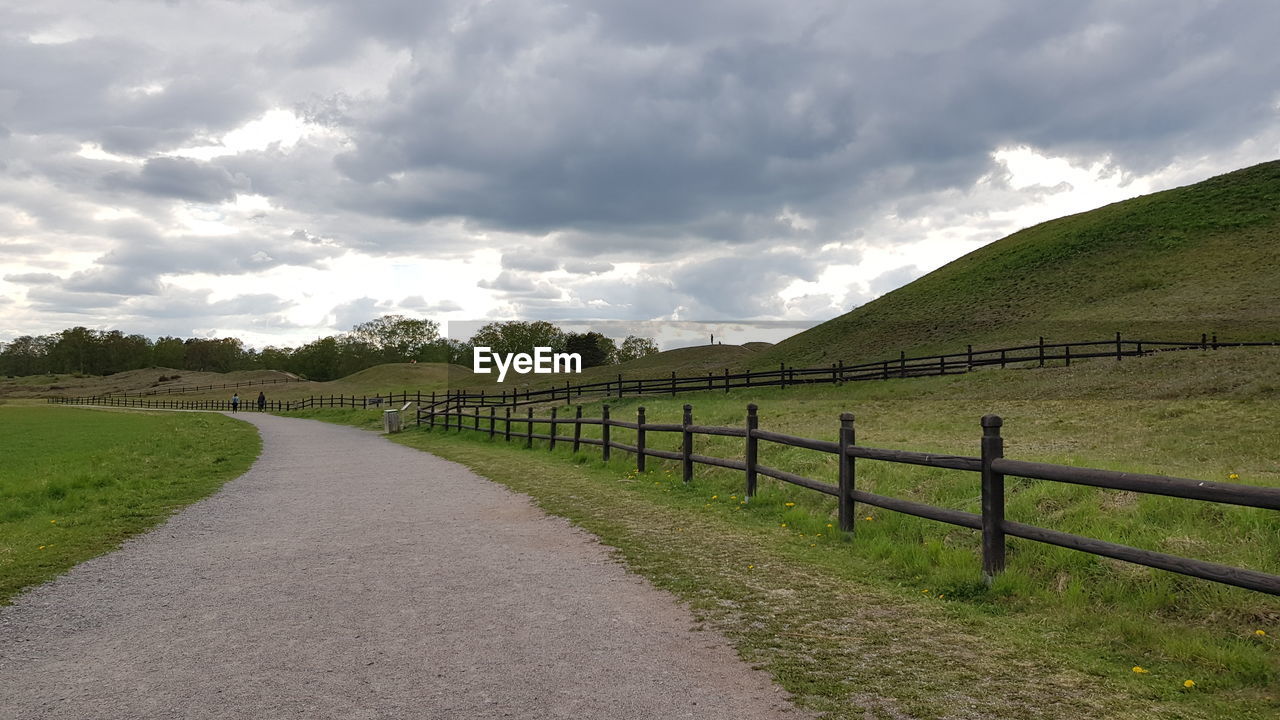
1166 266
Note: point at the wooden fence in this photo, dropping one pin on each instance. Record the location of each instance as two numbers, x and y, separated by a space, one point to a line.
354 402
900 367
179 390
991 465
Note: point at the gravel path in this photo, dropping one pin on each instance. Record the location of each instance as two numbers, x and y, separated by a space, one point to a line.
345 576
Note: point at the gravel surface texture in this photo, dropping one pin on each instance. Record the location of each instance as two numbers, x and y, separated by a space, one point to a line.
345 576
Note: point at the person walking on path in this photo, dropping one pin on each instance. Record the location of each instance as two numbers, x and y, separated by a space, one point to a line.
235 402
262 401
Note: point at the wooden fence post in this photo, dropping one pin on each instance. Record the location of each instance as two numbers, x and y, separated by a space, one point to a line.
619 385
1214 341
577 430
1118 355
846 504
686 451
640 438
782 373
726 380
992 499
1204 340
604 431
551 444
528 441
1066 353
1041 351
753 444
969 354
839 379
902 363
475 420
493 420
673 383
506 432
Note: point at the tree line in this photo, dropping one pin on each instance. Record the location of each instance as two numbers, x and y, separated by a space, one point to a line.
387 339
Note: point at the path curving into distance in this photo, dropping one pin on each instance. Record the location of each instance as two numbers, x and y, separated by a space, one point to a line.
345 576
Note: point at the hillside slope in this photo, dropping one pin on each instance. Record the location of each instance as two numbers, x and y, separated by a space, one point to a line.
1166 266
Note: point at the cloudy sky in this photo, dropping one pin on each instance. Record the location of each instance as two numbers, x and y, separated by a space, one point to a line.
282 170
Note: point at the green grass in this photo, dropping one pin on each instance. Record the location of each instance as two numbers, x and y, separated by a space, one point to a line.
1166 266
75 483
1066 624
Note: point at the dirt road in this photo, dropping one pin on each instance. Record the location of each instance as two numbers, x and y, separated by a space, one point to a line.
348 577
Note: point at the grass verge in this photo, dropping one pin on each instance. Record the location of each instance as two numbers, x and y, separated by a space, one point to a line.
75 483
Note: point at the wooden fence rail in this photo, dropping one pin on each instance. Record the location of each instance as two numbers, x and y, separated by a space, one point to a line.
837 373
250 403
182 389
901 367
991 466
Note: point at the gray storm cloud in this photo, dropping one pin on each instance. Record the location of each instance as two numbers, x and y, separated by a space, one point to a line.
593 133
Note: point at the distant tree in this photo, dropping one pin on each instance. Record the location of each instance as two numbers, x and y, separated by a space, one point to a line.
519 336
636 347
398 338
169 352
594 348
26 355
120 352
274 358
457 352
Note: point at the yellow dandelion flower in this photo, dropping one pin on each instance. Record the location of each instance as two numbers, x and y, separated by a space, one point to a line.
1233 476
1140 670
751 567
925 591
713 497
829 525
789 504
869 518
40 548
812 545
1188 683
817 534
1260 633
784 524
733 497
55 522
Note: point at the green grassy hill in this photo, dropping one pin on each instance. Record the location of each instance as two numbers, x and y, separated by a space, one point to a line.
1166 266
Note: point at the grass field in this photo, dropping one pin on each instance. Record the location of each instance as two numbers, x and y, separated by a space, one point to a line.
1082 620
75 483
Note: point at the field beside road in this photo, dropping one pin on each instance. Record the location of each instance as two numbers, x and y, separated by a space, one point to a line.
76 483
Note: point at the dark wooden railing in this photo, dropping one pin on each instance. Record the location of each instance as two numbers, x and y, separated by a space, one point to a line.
182 389
901 367
249 402
990 464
